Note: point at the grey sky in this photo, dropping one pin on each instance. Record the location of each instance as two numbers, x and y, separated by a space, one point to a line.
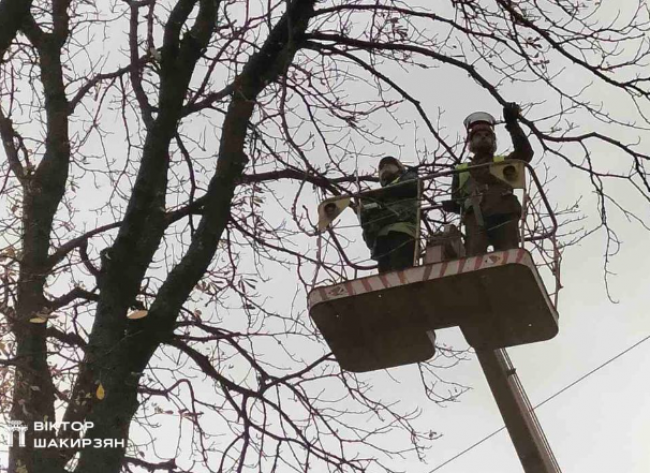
599 425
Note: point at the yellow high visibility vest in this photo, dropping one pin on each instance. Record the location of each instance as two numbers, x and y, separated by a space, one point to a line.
463 176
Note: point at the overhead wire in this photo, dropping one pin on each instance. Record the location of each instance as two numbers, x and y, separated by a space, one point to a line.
553 396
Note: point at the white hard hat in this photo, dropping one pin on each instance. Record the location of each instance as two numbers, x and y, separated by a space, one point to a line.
479 117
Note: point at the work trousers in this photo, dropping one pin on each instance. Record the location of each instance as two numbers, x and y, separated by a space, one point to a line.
500 231
394 251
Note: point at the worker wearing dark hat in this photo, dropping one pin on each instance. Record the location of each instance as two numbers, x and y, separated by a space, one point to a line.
489 209
389 217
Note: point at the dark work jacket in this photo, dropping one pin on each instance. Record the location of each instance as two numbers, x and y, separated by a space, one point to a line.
394 208
497 197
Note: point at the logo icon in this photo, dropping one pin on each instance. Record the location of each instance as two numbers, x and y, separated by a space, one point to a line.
20 427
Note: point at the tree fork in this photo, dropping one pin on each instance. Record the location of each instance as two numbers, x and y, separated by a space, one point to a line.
112 416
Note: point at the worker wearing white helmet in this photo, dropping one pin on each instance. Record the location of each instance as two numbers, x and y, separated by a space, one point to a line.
489 209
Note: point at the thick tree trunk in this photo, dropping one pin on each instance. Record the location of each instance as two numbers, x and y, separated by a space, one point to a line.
42 192
113 415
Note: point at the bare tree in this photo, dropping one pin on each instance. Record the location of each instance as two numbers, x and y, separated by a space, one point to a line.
162 157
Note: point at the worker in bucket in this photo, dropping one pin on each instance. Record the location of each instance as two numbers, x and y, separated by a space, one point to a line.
389 217
489 209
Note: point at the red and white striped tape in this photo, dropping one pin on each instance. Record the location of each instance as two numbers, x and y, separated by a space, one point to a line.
428 272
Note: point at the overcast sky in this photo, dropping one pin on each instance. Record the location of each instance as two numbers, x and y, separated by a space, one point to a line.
600 425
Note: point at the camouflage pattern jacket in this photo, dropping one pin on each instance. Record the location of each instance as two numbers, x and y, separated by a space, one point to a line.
394 208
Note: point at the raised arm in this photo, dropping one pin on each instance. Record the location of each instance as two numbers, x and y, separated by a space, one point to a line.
523 150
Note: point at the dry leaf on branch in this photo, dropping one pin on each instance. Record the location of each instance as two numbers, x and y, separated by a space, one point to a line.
138 314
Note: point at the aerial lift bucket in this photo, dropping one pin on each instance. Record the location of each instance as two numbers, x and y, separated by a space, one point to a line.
386 320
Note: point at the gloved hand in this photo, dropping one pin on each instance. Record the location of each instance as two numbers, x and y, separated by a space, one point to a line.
511 112
451 206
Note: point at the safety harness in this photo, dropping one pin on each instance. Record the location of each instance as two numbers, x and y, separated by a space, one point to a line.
472 199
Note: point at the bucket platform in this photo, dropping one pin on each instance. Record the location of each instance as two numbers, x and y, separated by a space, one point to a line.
498 299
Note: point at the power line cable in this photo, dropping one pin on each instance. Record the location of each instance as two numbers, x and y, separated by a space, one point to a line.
582 378
592 371
468 449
